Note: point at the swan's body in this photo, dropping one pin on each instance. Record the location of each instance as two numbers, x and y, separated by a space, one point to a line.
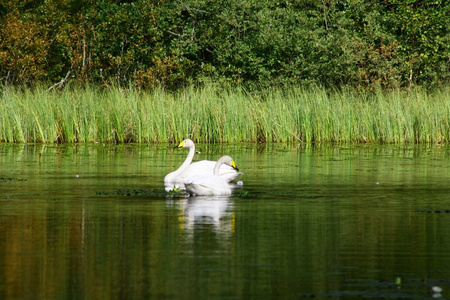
178 178
211 185
206 167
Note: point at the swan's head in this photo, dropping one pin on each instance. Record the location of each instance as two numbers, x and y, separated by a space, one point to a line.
228 161
187 143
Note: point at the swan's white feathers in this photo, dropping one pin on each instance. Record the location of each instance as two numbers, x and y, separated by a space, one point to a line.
211 185
178 178
206 167
170 180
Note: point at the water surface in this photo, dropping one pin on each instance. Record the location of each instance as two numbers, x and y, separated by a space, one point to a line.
310 221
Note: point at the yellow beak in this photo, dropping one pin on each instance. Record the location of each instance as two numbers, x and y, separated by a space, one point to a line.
233 164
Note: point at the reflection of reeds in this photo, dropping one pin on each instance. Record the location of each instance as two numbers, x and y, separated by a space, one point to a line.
219 115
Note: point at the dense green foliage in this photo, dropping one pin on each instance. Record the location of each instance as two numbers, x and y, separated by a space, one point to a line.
117 115
370 44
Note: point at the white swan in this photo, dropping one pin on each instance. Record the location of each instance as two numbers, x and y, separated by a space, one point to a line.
170 180
211 185
178 178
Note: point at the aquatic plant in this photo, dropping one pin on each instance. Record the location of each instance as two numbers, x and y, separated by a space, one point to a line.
212 114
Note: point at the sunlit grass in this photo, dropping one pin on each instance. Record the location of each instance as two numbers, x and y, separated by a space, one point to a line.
209 114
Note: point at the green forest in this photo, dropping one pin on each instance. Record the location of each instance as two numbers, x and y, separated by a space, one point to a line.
369 45
83 71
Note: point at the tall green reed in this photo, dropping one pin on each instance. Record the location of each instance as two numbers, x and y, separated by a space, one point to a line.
211 114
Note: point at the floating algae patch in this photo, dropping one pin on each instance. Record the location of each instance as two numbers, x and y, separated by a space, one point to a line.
155 193
436 211
387 289
9 179
134 192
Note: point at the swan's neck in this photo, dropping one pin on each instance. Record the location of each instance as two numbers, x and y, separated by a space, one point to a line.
187 161
217 167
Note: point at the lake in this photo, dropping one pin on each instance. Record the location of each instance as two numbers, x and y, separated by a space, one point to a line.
309 222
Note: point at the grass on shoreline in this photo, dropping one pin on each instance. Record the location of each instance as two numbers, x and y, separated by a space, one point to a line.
116 115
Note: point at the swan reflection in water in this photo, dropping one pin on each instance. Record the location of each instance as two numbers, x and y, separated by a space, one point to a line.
214 213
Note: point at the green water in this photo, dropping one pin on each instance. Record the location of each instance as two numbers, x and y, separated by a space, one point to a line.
322 222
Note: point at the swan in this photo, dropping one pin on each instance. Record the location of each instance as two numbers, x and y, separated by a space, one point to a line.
170 180
177 178
211 185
